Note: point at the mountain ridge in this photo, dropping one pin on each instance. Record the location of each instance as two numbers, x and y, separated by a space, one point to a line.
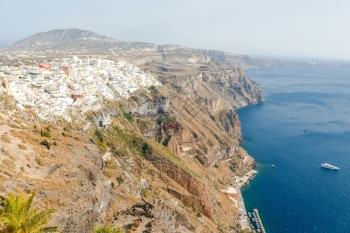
59 36
79 42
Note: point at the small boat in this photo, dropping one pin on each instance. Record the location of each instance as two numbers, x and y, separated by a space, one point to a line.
249 215
258 230
257 225
328 166
251 226
253 213
273 165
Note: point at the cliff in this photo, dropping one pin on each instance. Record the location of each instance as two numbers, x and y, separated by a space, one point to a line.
159 158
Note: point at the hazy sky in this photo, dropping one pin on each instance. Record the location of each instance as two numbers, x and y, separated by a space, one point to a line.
301 28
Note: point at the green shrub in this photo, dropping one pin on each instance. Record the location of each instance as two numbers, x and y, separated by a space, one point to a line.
152 88
46 143
144 192
99 135
19 215
100 138
129 116
120 179
45 133
102 147
107 174
107 229
146 150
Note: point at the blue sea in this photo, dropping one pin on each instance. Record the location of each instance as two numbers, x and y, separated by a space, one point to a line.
304 121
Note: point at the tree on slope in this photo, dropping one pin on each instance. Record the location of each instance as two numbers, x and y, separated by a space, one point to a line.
18 216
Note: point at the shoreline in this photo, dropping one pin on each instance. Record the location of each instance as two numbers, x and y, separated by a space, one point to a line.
242 181
239 183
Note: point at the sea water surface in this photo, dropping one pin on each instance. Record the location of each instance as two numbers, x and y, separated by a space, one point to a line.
304 121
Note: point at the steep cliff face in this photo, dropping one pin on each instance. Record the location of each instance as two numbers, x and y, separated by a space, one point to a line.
238 60
200 120
215 87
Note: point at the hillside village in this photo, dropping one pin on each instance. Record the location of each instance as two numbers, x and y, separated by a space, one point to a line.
54 89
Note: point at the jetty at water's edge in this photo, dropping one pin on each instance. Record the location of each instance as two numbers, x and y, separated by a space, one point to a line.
259 221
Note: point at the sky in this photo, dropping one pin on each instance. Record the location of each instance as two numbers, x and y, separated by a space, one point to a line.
284 28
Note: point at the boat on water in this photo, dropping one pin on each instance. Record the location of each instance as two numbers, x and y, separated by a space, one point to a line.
328 166
257 225
249 215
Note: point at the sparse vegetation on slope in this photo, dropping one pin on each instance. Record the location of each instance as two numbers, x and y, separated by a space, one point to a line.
107 229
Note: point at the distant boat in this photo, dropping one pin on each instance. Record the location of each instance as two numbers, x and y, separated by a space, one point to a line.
328 166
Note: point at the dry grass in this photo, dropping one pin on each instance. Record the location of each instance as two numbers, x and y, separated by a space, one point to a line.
6 138
2 189
8 164
7 153
2 184
39 161
22 146
14 125
17 121
25 137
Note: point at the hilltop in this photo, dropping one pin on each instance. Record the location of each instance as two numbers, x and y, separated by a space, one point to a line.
56 37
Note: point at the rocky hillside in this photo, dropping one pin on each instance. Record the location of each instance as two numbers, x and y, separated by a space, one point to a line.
155 162
159 163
